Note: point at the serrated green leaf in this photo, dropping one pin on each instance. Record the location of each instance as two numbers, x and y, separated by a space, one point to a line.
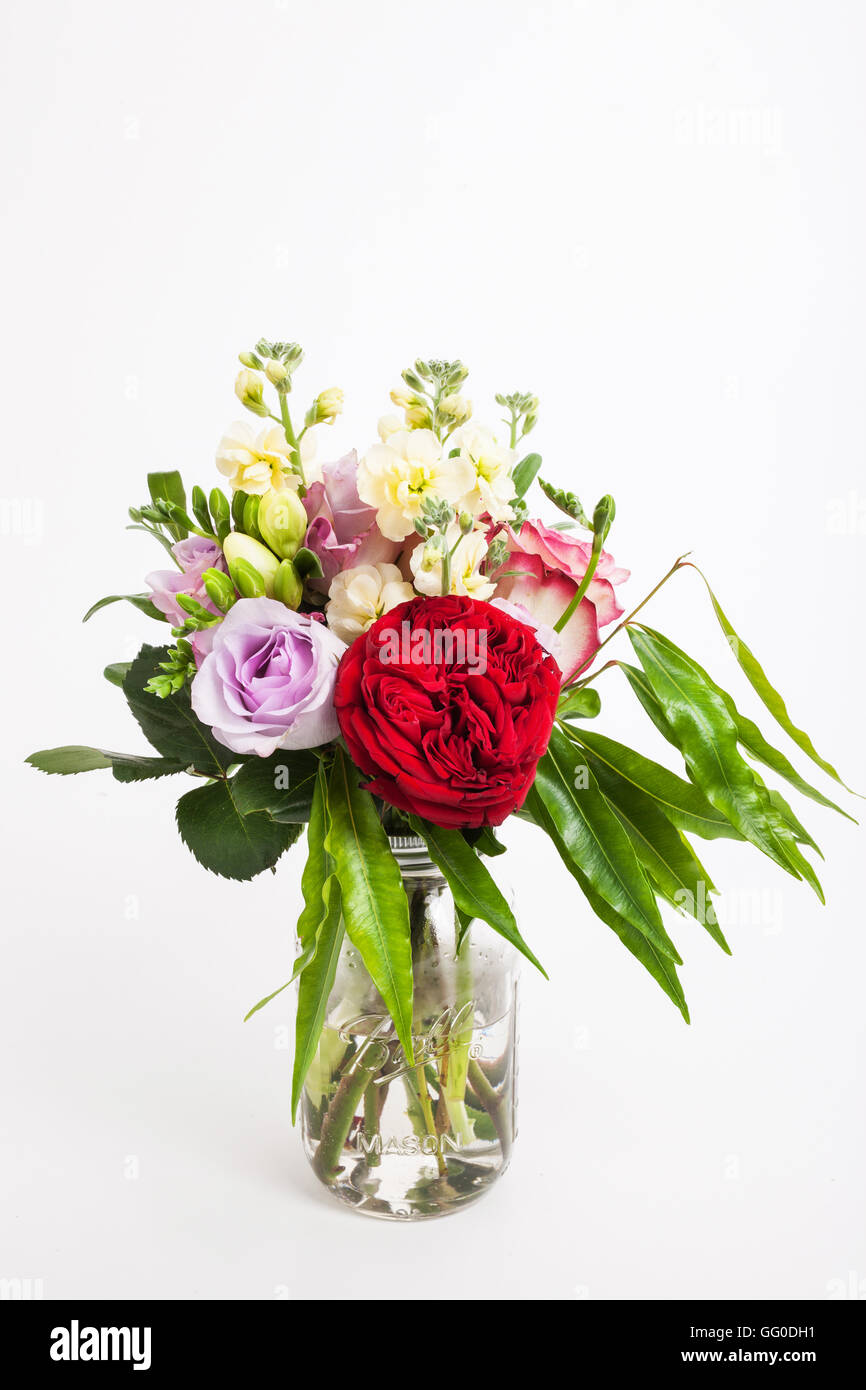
659 966
596 841
282 785
170 723
375 906
472 886
127 767
224 840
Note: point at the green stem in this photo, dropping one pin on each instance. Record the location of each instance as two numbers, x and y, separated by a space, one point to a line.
337 1122
427 1109
492 1104
371 1123
582 587
678 564
290 436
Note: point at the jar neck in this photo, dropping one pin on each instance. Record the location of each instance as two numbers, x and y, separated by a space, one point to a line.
412 856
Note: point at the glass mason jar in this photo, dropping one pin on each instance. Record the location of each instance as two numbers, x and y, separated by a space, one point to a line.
412 1139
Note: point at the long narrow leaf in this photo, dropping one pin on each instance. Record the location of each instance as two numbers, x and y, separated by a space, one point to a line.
314 988
596 841
658 965
375 906
757 678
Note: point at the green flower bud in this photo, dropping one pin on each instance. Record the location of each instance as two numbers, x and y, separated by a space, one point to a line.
247 579
466 522
239 501
252 555
220 512
288 587
219 589
282 521
249 359
250 517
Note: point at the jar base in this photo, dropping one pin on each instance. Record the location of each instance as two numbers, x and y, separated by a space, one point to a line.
362 1188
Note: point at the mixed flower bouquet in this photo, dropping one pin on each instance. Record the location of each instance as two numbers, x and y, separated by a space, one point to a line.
396 646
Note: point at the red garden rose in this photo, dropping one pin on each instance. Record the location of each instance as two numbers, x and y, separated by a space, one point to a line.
447 704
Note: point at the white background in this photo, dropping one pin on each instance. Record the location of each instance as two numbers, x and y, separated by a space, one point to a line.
651 214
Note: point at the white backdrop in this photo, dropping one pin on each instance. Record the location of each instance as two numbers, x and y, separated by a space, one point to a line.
653 215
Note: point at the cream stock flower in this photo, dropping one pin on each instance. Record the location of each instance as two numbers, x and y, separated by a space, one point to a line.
253 462
466 562
491 463
397 476
360 595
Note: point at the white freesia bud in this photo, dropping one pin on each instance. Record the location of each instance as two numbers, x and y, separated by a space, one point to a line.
360 595
249 389
275 371
237 546
402 399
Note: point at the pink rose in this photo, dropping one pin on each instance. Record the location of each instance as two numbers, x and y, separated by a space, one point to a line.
194 555
550 566
342 530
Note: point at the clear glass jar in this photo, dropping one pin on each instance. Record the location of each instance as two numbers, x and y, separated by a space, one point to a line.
412 1139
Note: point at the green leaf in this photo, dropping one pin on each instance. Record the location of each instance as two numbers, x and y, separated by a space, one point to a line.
317 870
753 741
168 487
169 723
757 678
485 842
596 841
673 867
267 999
471 884
115 674
707 738
140 601
682 802
748 734
579 704
224 840
320 931
524 474
314 988
127 767
375 905
282 785
658 965
74 758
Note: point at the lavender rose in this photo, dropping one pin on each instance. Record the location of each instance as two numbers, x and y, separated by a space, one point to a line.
194 555
268 680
